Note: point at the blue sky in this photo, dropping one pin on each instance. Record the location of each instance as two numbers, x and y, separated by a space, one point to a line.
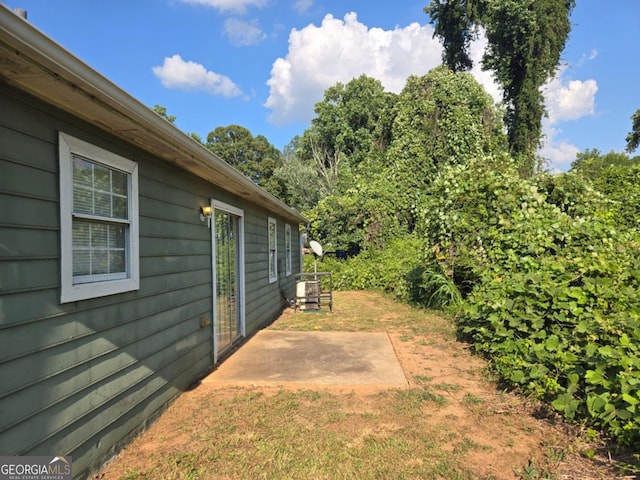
263 64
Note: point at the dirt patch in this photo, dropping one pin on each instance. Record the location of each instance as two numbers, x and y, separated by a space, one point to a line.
451 421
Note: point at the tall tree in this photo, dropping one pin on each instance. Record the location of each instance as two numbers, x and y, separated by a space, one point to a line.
443 118
253 156
352 127
455 25
302 185
525 40
633 139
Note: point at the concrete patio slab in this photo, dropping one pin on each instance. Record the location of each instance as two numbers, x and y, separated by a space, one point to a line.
329 358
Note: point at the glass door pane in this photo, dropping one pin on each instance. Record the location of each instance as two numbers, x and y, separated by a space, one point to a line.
227 318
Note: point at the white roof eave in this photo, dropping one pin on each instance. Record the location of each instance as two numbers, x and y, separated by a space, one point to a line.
36 64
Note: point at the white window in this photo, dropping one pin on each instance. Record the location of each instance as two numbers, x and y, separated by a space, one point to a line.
287 248
98 221
273 250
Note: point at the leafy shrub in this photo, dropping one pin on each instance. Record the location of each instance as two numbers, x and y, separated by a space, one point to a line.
552 287
375 269
433 288
621 185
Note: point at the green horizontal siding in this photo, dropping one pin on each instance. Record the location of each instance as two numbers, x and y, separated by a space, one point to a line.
21 243
80 378
25 211
74 373
27 274
132 319
145 358
59 329
34 151
23 180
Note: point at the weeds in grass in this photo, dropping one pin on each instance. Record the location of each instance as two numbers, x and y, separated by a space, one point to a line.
470 400
415 396
447 387
532 472
422 378
467 444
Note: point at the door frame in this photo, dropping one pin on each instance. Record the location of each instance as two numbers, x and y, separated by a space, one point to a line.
225 207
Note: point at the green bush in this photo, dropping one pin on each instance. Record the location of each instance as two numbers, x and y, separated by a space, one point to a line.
375 269
400 270
553 287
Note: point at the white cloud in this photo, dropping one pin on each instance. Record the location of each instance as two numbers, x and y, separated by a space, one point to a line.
557 151
179 74
242 34
566 100
237 6
302 6
340 50
586 58
569 99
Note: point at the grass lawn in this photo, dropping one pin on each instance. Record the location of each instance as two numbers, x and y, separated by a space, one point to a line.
450 422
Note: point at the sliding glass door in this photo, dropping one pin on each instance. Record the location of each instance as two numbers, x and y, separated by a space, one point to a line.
228 281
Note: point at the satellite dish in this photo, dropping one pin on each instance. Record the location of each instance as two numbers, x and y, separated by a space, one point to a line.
316 247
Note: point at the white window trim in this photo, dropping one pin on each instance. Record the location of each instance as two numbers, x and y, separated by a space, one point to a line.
287 249
272 277
69 291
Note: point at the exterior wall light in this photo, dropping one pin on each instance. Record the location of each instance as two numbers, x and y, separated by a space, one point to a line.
205 214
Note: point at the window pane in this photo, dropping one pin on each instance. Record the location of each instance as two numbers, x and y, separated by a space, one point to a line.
119 183
116 261
99 190
120 207
99 261
272 236
80 234
99 238
82 172
82 200
102 178
116 236
81 262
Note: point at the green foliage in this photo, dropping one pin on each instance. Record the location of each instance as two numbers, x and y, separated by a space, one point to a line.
303 187
454 22
621 185
433 288
336 222
567 329
375 269
253 156
438 119
162 111
400 270
590 163
617 178
572 195
352 120
633 138
442 118
349 135
552 287
525 39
